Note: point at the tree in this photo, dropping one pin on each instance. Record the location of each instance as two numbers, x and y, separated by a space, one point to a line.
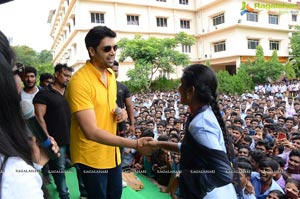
261 71
25 55
225 81
153 54
41 61
289 71
275 68
295 50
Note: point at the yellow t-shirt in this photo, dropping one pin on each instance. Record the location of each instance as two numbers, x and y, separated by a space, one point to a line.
86 91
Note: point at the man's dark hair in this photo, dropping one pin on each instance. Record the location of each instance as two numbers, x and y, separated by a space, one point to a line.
45 76
247 138
257 155
243 159
237 128
269 162
96 35
30 69
147 133
264 143
295 152
245 166
291 119
116 63
279 160
59 67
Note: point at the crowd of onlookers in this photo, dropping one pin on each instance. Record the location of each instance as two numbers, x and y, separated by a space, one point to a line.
263 125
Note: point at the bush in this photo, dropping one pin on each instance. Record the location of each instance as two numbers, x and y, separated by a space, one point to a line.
164 84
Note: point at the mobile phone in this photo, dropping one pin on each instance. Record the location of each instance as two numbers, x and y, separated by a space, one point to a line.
281 135
251 132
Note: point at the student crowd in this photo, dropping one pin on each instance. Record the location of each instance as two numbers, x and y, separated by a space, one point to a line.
263 125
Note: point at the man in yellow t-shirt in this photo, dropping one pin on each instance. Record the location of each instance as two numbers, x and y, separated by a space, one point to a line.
92 94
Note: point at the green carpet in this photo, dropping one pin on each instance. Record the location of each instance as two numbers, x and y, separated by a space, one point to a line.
149 191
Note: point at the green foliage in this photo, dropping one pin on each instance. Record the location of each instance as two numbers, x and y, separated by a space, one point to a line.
207 63
289 71
261 71
25 55
224 79
242 81
138 80
276 69
41 61
234 83
295 50
164 84
151 55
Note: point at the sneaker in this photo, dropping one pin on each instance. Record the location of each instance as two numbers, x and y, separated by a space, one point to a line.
124 184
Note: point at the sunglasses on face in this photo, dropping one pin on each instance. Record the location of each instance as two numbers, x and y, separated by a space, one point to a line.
20 70
108 48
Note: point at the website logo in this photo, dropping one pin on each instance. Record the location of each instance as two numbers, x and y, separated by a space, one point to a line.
246 8
280 7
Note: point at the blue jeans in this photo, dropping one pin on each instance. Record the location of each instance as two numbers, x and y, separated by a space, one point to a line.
57 169
102 183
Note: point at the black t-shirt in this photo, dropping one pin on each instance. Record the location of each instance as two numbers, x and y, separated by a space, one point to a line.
122 93
57 116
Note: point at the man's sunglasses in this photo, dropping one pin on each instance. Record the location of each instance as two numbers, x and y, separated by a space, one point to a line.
20 70
108 48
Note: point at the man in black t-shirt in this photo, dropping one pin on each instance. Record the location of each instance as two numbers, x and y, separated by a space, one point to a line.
123 101
53 113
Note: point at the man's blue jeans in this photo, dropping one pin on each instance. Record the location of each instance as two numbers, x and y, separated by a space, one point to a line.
57 169
102 183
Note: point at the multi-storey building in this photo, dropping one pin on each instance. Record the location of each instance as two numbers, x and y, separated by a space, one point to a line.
227 31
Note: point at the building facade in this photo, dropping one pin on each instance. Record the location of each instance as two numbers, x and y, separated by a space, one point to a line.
226 31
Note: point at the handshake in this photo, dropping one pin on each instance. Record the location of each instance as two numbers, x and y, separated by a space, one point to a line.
146 145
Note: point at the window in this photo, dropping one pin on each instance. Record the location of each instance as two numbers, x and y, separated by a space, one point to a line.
97 17
162 0
184 2
161 22
252 43
69 28
274 45
186 48
273 19
132 20
252 16
185 24
218 19
294 17
220 46
74 21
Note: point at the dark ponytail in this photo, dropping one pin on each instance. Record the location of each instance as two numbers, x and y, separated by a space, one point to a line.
227 138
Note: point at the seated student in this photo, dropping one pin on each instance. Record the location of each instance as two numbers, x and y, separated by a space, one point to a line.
263 181
291 189
128 155
244 170
161 165
145 162
275 194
